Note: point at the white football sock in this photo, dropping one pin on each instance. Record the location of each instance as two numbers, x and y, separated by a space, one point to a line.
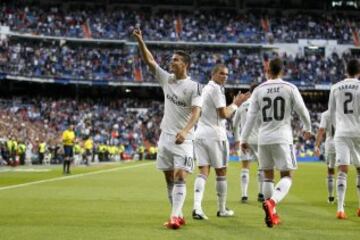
221 189
268 188
179 194
330 181
341 190
281 189
260 178
199 188
245 178
170 187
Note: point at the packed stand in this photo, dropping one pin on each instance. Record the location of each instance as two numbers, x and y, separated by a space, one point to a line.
212 25
120 129
117 127
104 64
50 60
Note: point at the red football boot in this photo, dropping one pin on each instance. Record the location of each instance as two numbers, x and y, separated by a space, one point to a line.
173 223
270 216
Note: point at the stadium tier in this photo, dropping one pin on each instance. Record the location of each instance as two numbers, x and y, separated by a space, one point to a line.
169 24
92 44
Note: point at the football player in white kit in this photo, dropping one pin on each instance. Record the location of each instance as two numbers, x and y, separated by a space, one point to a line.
252 155
275 99
182 111
211 144
327 128
344 109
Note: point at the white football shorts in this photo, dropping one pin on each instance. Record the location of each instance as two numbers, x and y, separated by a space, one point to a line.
280 156
173 156
347 151
214 153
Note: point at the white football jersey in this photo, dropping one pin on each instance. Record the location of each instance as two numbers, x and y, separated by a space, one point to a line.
325 123
180 97
344 108
210 125
275 100
239 123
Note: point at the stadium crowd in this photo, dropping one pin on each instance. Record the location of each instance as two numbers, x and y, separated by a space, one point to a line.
206 25
117 127
51 60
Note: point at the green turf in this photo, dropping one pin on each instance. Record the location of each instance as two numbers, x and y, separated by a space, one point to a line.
131 203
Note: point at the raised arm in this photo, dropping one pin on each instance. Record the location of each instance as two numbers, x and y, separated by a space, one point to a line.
145 53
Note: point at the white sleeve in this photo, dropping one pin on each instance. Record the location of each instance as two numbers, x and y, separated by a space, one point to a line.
218 98
323 121
301 109
237 124
196 98
161 75
332 108
251 116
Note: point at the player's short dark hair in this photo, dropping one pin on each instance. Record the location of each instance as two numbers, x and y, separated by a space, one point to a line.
276 66
185 56
253 86
217 68
353 67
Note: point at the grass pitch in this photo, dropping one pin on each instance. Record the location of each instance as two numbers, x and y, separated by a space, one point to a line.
129 201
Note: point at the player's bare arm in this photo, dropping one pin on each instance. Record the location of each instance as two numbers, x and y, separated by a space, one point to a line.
195 115
319 138
145 53
239 99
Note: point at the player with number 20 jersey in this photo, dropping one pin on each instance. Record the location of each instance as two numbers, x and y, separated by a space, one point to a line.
275 100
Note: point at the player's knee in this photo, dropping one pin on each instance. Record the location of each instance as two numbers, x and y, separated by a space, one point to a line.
204 170
343 168
285 174
246 164
220 171
179 181
269 174
331 171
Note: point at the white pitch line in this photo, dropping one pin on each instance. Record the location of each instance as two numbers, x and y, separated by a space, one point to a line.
71 177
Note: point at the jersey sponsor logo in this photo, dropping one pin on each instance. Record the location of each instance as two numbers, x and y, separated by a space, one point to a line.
174 100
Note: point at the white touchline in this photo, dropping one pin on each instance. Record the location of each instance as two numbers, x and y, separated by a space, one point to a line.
71 177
